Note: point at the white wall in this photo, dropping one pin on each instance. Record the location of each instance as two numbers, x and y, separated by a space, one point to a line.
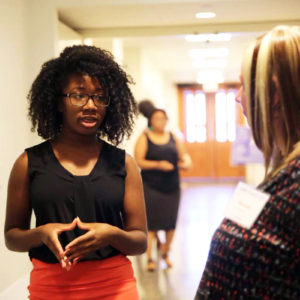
67 37
157 87
170 97
152 81
104 43
14 126
28 31
132 66
152 84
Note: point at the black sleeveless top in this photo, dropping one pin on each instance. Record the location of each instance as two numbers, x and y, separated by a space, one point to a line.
57 196
160 180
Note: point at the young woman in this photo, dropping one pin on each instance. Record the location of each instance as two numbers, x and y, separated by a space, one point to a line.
160 154
86 194
263 262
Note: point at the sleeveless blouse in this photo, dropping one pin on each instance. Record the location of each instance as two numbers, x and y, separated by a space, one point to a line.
157 179
57 196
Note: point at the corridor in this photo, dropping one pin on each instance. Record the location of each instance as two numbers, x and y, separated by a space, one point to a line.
201 211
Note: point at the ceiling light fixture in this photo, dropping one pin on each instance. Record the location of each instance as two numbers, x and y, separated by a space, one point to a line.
208 52
210 76
210 63
205 15
210 37
88 42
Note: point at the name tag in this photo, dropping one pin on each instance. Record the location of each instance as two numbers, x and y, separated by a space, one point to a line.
246 204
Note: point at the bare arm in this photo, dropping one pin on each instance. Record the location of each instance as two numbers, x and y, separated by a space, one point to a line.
140 151
132 240
18 235
184 159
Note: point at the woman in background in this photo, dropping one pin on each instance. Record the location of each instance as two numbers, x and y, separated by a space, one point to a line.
263 262
86 194
160 154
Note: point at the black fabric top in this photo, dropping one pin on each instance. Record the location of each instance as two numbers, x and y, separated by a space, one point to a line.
57 196
262 262
157 179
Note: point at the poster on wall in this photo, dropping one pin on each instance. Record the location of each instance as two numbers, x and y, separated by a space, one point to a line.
244 150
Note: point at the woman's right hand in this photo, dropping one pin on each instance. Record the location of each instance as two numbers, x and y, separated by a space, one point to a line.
165 165
49 236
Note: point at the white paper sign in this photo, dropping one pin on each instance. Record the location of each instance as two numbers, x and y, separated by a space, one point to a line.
246 204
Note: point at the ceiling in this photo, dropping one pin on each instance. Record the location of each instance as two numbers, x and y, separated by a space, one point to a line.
160 27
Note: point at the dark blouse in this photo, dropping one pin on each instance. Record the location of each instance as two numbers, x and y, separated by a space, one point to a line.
57 196
264 261
158 179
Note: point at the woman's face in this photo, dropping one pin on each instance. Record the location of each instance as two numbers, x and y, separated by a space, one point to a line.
86 119
240 96
158 121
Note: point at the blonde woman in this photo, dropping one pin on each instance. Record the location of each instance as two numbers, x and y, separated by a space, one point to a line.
263 262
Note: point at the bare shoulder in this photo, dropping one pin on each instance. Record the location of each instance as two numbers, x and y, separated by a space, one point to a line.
130 162
19 172
18 205
141 145
178 136
142 137
21 164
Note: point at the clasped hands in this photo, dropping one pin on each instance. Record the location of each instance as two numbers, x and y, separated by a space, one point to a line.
97 236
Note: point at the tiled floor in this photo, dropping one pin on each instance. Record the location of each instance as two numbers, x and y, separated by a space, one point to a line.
201 211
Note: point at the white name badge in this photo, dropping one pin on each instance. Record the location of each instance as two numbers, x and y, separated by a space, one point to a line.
246 204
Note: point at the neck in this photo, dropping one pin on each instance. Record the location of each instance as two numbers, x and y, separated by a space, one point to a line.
158 132
75 140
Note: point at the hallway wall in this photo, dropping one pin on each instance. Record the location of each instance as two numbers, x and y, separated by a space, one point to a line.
14 127
152 84
28 33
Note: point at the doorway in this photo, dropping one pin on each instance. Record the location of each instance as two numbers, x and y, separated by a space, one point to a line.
208 121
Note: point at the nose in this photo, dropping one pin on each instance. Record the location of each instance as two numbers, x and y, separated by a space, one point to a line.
90 104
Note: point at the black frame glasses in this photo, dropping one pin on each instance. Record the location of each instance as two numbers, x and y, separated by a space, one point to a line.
81 99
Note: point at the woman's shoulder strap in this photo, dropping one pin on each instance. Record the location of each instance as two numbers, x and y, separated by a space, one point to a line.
37 149
172 137
114 155
37 156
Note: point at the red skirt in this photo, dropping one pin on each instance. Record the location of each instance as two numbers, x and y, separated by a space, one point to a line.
108 279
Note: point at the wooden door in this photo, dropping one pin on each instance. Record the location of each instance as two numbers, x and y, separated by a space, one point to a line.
206 140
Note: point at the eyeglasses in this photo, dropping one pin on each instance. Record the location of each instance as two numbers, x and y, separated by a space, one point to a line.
79 99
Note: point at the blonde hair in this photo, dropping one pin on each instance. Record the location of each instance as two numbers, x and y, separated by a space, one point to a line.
272 65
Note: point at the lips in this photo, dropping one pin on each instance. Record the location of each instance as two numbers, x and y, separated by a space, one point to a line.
88 121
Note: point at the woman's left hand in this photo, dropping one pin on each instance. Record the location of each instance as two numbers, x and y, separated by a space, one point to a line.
96 237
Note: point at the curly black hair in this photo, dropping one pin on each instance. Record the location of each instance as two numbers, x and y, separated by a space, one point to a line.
46 90
147 109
